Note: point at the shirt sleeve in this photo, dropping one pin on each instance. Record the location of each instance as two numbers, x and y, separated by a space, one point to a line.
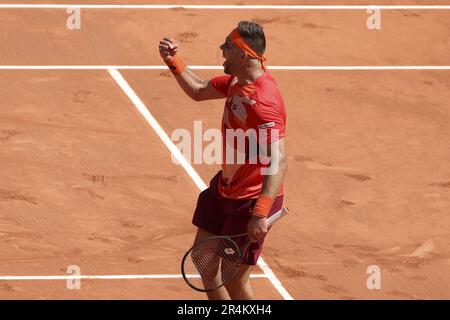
222 83
269 120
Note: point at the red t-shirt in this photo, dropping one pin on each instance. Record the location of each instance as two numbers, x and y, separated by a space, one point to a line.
258 109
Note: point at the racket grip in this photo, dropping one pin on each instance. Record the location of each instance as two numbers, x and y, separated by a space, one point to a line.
276 216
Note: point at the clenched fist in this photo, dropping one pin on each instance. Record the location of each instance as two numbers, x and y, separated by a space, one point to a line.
167 49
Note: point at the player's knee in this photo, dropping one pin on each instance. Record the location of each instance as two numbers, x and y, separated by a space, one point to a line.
240 289
234 287
238 282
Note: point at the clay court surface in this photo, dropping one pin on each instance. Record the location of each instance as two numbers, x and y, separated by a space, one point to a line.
86 181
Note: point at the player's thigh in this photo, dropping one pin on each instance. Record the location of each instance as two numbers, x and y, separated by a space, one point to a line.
202 235
208 215
243 273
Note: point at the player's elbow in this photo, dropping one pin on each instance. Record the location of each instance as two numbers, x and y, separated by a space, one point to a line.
196 97
199 92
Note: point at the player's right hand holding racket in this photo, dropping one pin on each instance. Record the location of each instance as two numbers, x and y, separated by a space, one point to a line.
213 262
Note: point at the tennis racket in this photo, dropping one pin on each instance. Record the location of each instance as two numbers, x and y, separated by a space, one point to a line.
213 262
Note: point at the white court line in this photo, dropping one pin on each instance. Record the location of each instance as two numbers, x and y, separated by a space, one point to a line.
157 128
223 7
108 277
164 67
187 166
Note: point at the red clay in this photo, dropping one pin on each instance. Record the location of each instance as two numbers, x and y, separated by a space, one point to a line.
86 181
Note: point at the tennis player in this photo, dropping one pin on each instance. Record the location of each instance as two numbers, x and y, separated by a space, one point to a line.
240 196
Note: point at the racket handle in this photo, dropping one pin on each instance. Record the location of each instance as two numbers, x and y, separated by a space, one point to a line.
276 216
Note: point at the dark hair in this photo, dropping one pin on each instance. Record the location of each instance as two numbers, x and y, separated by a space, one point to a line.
253 33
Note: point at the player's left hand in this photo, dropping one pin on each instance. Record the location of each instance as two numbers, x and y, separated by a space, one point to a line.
256 228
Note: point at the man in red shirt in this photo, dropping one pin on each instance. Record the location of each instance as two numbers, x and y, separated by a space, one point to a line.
244 193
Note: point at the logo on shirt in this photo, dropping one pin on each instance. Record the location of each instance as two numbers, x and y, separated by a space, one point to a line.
266 125
238 107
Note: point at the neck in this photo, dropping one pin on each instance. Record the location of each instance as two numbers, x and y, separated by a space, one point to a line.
250 74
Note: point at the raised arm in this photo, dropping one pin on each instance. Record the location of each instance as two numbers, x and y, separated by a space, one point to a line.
194 86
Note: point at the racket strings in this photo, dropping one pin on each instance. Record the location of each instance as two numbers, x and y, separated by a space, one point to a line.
211 263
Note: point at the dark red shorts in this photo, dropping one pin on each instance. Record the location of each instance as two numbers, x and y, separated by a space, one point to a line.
223 216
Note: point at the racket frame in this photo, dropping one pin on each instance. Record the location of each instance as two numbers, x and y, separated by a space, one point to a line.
270 221
186 255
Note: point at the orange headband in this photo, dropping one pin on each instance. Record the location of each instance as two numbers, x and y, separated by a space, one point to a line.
243 45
